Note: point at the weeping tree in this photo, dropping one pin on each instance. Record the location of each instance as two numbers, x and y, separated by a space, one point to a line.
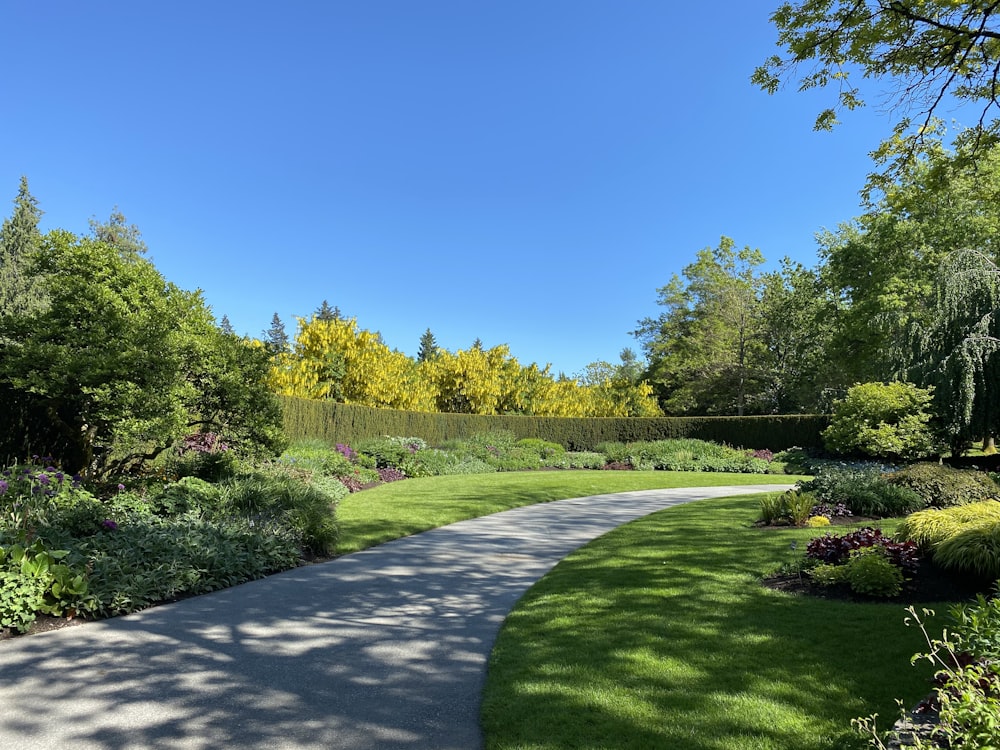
956 348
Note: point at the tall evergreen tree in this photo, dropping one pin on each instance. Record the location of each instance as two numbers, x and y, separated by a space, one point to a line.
20 290
117 232
428 347
226 327
325 312
275 337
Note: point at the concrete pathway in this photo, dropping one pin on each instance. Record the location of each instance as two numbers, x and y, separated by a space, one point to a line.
385 648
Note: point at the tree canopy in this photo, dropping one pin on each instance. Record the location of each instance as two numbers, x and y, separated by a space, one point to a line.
929 49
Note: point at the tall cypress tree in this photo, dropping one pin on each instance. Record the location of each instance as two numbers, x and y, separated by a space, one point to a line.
19 239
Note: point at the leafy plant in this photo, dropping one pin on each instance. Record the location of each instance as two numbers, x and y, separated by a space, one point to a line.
942 486
928 528
545 449
273 497
974 549
868 571
967 696
883 420
836 549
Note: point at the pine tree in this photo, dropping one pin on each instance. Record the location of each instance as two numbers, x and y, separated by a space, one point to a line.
275 337
226 326
325 312
124 237
428 347
19 239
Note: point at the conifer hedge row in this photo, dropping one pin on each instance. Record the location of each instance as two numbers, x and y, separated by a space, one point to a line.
346 423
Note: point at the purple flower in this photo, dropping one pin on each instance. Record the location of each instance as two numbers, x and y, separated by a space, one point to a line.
43 479
121 487
3 487
108 524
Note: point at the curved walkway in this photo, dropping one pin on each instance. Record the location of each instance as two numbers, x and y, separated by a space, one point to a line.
384 648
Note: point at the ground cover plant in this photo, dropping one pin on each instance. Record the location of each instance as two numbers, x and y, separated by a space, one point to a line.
72 550
659 635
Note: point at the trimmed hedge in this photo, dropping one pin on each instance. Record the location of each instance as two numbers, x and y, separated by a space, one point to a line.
346 423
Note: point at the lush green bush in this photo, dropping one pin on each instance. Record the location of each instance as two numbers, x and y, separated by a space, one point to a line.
389 452
546 450
275 497
578 460
928 528
33 579
683 454
865 491
883 420
158 559
186 494
974 549
793 507
869 572
941 486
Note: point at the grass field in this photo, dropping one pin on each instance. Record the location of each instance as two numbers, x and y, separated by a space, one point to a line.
398 509
659 635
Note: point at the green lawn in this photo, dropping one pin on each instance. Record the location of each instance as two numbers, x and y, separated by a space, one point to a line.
658 635
398 509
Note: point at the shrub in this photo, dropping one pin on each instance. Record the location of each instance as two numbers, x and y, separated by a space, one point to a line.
817 521
544 449
883 420
186 494
836 550
515 459
160 559
864 491
974 549
390 451
928 528
977 627
870 572
278 498
319 456
583 460
942 486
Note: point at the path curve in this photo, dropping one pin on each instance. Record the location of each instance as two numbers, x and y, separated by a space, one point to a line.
381 649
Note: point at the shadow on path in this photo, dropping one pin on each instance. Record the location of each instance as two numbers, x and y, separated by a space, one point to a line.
384 648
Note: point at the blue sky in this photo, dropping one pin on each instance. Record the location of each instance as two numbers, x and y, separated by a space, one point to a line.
526 172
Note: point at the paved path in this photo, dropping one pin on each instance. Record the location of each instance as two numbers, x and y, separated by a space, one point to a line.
385 648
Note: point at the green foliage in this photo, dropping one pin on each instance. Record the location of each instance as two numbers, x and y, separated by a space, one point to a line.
705 350
186 494
20 290
390 451
927 53
544 449
928 528
158 559
956 348
122 364
792 507
33 580
869 572
942 486
882 420
277 497
973 549
865 491
349 423
977 627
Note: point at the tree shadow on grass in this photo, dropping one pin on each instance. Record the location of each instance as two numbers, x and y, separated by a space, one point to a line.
386 648
659 636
